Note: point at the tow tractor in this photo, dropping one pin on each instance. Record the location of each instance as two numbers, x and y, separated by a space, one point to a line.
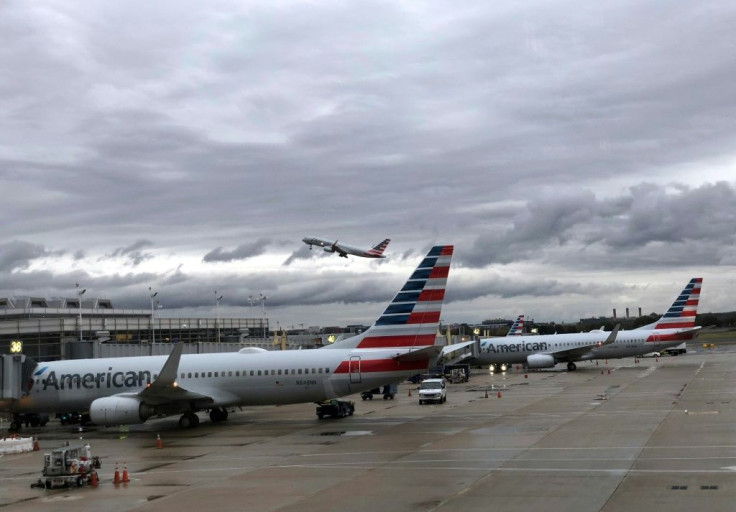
335 408
67 466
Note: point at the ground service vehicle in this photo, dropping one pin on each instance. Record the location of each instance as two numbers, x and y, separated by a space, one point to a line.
389 391
677 350
335 408
67 466
432 390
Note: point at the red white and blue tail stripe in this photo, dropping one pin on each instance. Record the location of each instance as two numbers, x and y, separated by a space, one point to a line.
412 318
681 314
378 249
518 328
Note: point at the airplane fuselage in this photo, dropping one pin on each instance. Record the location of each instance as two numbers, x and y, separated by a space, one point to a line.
231 379
627 344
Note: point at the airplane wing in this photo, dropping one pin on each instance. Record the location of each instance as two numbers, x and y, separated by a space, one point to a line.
165 388
576 352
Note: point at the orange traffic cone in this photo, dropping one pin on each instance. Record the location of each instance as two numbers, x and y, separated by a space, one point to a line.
116 478
126 479
35 444
159 443
499 394
93 480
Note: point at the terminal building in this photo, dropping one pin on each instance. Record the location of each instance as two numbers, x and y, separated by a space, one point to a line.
52 329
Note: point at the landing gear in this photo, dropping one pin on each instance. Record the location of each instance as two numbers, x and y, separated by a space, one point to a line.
16 425
189 420
218 414
571 366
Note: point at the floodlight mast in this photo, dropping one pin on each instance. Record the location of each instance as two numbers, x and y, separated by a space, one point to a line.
79 294
153 327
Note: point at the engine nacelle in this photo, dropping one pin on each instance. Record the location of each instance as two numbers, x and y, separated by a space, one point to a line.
119 410
540 361
328 249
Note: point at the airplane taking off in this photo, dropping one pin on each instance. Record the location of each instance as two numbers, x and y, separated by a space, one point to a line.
676 326
343 250
129 390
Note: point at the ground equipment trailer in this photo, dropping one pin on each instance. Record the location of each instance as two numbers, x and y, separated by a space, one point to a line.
70 465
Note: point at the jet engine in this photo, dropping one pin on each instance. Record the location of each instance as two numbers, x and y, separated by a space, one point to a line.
540 361
328 249
119 410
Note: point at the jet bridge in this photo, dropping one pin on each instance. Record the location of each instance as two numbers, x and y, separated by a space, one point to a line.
11 378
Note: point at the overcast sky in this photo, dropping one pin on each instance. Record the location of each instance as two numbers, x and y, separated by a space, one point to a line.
580 156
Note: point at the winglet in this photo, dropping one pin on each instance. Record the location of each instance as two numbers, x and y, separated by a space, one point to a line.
167 376
612 337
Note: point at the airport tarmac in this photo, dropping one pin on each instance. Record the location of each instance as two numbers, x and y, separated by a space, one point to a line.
655 435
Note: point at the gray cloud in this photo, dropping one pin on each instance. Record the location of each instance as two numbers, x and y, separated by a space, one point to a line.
577 143
18 255
241 252
133 252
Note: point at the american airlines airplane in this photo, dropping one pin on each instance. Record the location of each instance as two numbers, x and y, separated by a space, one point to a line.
343 250
129 390
673 328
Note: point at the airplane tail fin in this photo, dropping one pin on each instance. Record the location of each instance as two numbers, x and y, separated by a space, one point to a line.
379 248
518 328
681 314
412 318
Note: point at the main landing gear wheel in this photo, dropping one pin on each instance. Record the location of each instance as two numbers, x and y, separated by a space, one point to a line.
218 414
189 420
571 366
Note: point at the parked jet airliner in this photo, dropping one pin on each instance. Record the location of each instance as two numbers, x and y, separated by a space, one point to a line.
343 250
129 390
673 328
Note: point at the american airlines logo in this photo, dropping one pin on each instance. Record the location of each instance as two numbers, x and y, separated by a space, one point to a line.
97 380
515 347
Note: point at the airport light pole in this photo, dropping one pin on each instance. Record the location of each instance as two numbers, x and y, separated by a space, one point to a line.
217 315
153 327
79 294
263 298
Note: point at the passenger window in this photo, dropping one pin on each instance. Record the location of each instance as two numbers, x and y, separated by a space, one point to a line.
182 375
190 375
279 372
237 373
215 374
229 374
273 372
259 372
320 370
209 374
327 370
251 373
300 371
196 375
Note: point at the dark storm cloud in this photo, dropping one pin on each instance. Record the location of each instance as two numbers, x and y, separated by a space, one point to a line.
649 224
241 252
